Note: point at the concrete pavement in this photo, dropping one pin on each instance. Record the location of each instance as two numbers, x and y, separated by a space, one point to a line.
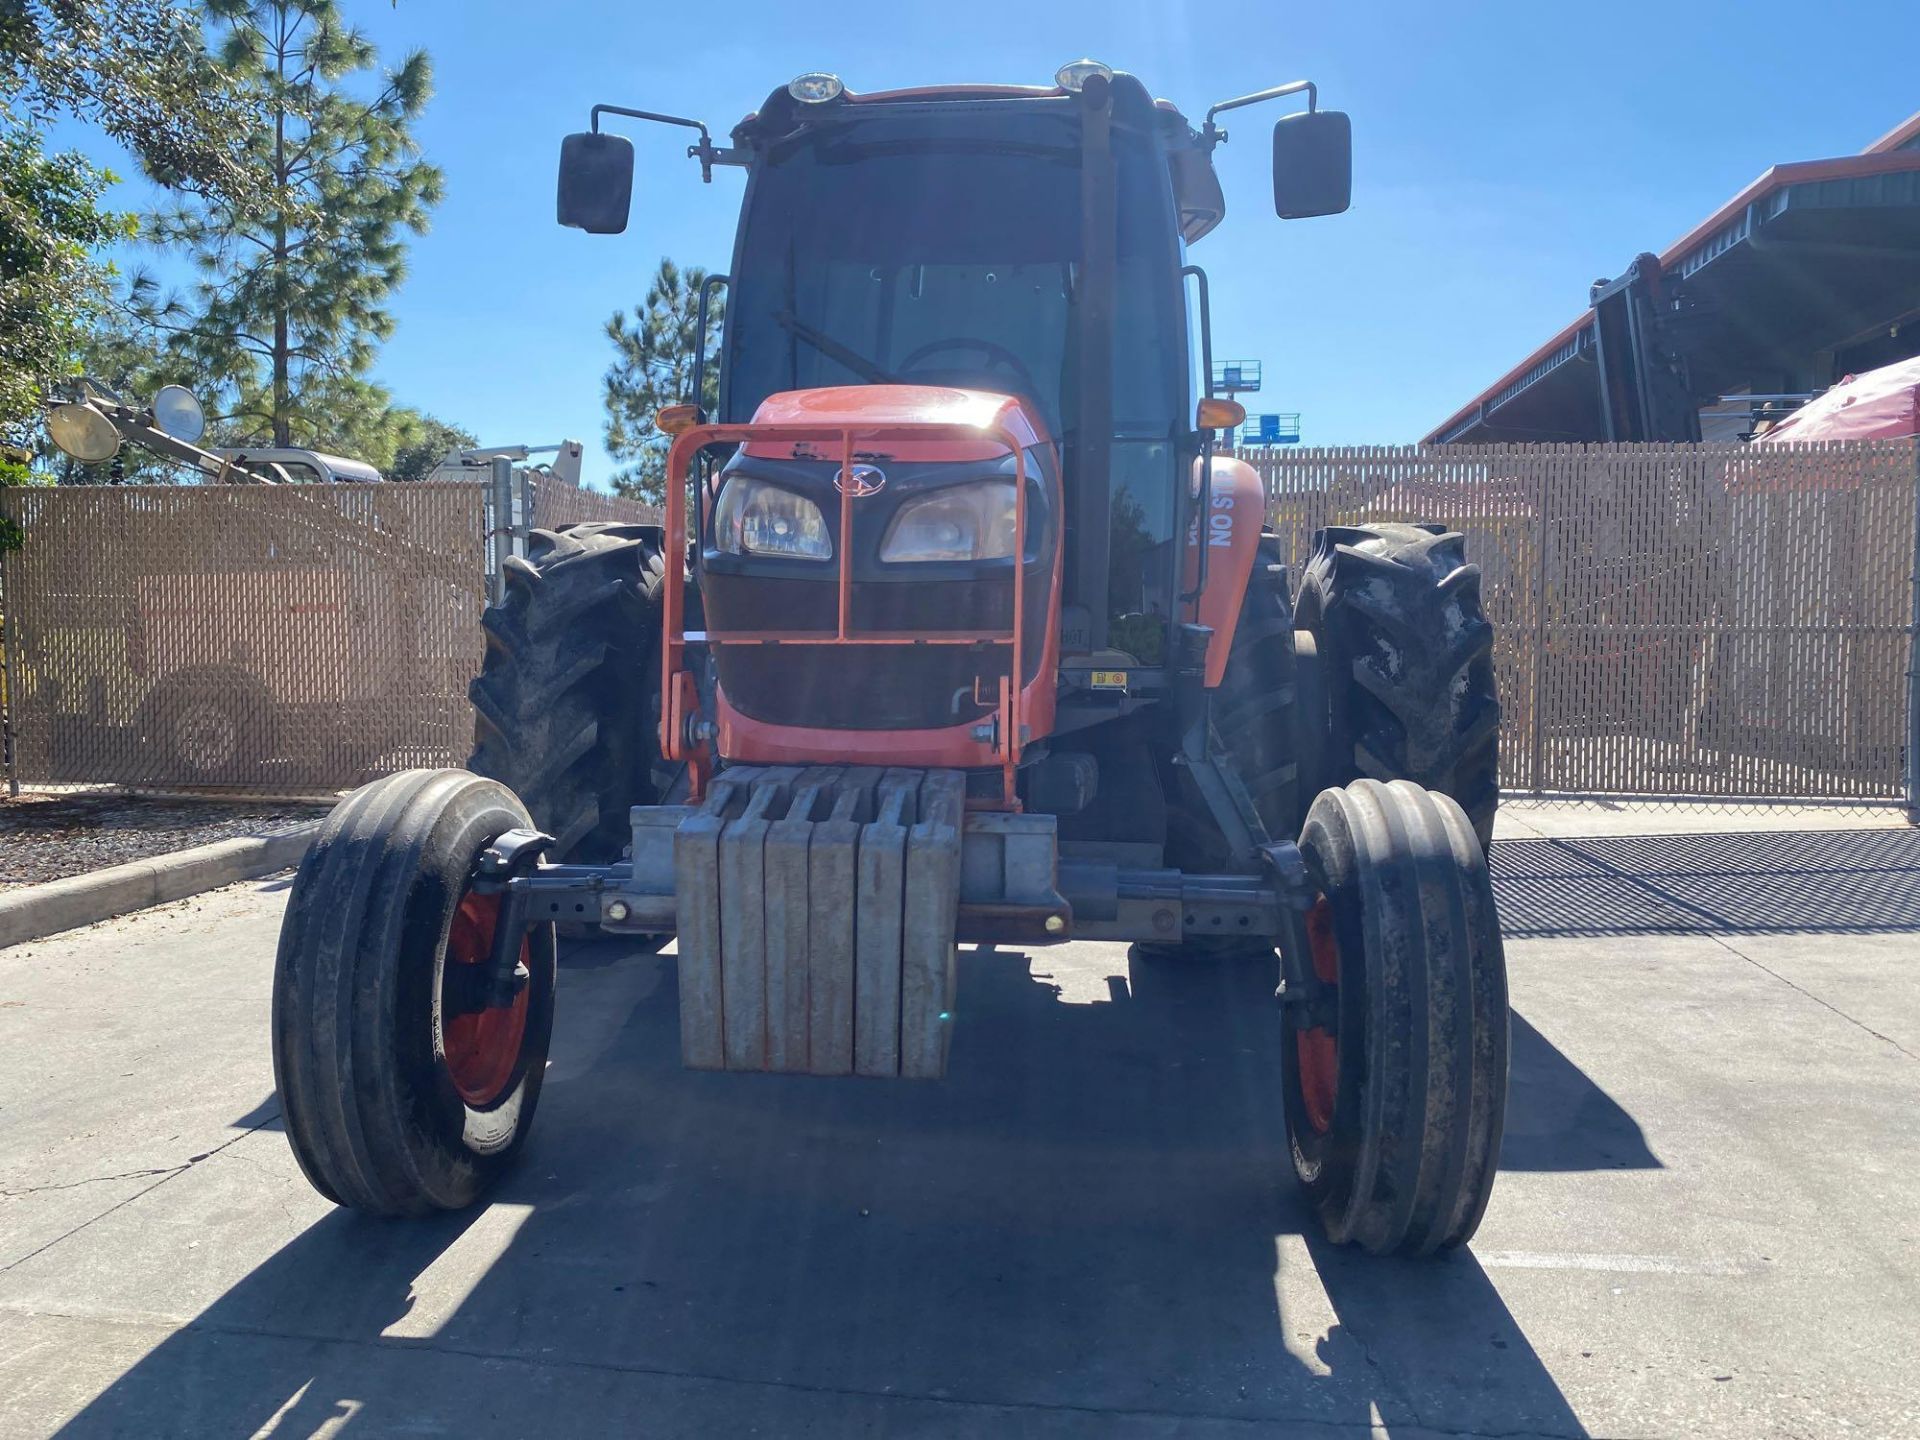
1705 1223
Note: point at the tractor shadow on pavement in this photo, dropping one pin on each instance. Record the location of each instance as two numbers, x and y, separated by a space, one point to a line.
1089 1228
1558 1119
1852 882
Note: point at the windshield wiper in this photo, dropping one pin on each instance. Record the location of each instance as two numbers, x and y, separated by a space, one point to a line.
834 350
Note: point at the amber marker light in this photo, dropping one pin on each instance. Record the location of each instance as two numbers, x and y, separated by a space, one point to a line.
1217 414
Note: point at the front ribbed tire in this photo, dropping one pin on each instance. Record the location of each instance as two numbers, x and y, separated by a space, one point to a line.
372 1104
1394 1056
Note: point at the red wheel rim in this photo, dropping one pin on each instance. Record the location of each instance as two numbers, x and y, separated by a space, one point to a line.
1318 1050
482 1046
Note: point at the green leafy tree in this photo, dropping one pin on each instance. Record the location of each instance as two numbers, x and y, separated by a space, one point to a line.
13 471
359 419
136 69
652 367
352 417
292 304
139 71
51 225
425 442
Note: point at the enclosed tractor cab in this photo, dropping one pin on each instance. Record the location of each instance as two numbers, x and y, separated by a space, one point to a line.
960 628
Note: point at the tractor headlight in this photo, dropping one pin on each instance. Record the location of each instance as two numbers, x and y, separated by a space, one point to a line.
966 522
755 518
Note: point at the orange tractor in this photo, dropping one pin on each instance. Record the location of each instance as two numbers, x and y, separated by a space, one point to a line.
960 628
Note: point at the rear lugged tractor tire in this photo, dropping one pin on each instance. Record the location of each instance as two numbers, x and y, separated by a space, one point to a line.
1407 662
403 1091
1394 1053
566 705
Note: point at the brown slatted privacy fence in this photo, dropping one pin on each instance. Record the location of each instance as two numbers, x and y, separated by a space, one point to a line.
556 503
1687 621
267 639
255 638
1718 621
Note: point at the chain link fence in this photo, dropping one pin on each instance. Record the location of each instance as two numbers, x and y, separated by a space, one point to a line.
270 640
1710 623
1705 622
556 503
517 501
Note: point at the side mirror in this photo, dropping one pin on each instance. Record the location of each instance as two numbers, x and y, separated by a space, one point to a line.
1312 164
596 182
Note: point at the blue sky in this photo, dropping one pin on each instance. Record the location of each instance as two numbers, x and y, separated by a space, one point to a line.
1504 155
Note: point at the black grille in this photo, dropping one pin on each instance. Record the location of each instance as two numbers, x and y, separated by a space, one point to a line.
866 687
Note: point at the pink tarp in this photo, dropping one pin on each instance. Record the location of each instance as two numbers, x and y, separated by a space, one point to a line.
1882 404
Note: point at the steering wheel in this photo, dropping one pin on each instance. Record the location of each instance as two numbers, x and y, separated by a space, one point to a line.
995 354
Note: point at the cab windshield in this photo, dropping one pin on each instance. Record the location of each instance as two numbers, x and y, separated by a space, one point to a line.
944 249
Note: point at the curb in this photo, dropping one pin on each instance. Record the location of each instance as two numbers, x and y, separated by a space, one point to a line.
41 910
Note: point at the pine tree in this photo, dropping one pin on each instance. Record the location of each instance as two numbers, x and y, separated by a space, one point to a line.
292 304
653 366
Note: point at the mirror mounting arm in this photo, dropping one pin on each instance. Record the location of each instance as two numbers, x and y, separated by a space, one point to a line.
1214 135
706 152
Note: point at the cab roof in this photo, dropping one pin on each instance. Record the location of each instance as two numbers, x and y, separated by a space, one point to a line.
1197 193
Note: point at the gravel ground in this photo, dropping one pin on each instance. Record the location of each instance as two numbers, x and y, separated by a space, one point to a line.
49 837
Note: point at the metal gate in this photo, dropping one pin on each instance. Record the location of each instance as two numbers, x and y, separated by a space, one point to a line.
1684 621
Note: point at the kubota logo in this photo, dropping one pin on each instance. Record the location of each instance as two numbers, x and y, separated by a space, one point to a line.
861 481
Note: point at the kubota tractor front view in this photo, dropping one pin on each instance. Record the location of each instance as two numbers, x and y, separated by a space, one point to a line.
959 628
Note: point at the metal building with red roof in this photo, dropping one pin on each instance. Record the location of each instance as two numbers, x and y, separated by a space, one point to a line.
1810 273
